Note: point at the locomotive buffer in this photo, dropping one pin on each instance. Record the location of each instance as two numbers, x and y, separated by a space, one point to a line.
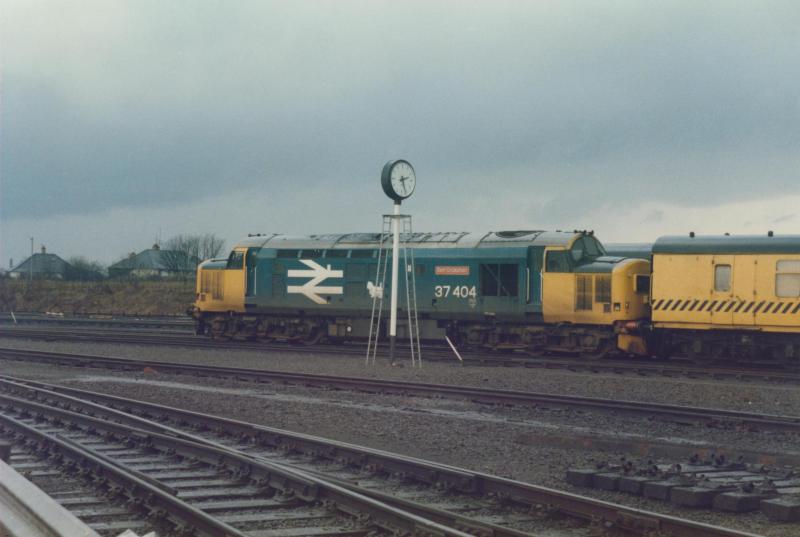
398 180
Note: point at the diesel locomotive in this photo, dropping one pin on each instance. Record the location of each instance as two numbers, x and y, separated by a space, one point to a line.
706 298
532 290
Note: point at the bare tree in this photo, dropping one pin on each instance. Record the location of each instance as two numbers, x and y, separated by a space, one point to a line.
83 269
182 253
210 246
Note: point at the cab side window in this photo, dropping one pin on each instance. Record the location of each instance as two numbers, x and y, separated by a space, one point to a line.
499 279
235 260
557 261
787 278
722 278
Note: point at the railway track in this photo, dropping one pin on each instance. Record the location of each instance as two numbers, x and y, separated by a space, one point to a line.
730 419
465 502
638 367
99 321
178 485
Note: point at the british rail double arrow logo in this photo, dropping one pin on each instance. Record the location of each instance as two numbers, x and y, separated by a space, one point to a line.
318 274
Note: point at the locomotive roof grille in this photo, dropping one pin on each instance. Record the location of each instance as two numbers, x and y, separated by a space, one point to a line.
460 239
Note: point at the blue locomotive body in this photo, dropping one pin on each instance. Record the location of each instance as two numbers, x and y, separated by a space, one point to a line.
486 289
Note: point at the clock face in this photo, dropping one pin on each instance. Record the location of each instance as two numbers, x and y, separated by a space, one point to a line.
401 180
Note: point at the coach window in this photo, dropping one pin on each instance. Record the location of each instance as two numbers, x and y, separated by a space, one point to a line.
310 254
361 254
335 253
787 278
557 261
287 254
235 260
722 278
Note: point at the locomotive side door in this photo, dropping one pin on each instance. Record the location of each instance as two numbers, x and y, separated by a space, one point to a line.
534 275
251 264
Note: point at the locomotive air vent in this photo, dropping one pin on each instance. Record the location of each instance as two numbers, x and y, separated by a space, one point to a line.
516 234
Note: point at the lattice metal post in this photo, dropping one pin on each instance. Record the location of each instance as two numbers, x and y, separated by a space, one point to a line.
409 279
377 291
411 293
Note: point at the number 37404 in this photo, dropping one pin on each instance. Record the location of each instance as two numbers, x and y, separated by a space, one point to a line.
458 291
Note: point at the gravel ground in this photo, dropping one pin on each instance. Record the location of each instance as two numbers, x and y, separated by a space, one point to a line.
493 440
725 394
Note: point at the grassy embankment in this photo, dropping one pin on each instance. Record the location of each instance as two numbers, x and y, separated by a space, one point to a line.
124 297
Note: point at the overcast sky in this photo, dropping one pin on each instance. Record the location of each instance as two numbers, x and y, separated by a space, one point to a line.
123 120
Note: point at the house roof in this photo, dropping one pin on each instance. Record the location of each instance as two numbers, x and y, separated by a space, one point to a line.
156 260
43 264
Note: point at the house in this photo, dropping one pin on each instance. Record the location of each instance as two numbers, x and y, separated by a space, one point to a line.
154 263
43 266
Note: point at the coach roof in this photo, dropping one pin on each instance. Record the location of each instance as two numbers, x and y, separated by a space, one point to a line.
493 239
727 244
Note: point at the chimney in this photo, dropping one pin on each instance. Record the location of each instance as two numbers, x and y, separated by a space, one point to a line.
10 262
156 246
44 250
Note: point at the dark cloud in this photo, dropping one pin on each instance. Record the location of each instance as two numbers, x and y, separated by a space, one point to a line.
573 105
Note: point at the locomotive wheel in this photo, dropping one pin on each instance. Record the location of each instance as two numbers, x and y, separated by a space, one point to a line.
263 331
697 353
313 337
602 350
219 330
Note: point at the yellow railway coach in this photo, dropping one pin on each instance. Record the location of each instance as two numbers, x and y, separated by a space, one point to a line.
726 297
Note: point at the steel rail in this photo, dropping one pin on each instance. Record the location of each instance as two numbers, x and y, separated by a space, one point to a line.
446 476
142 321
48 391
136 490
490 396
301 484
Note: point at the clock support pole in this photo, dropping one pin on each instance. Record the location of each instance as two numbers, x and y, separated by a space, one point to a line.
395 265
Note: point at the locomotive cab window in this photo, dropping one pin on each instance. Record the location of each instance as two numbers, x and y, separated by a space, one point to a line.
722 278
787 278
557 261
235 260
499 279
642 284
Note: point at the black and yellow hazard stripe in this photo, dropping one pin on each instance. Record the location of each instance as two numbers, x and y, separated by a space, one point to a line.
726 306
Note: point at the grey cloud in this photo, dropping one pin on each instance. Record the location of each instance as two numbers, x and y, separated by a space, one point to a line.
151 103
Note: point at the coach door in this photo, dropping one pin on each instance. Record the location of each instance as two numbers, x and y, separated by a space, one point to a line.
744 290
720 306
